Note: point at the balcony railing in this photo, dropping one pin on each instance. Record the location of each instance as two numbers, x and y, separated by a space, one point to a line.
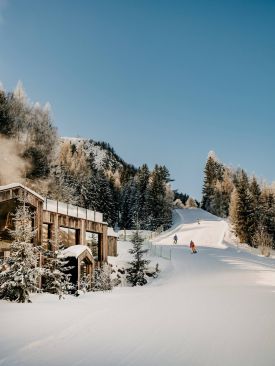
72 210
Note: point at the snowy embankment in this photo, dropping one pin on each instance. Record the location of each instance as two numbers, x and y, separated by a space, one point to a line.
208 309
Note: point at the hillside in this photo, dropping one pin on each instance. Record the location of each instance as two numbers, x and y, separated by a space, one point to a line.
103 155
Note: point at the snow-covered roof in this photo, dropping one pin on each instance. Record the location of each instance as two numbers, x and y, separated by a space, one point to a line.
111 232
75 251
16 185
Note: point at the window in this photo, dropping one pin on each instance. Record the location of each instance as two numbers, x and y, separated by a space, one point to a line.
92 240
46 235
67 236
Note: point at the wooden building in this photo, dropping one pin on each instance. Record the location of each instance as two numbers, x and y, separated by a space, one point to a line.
56 224
10 197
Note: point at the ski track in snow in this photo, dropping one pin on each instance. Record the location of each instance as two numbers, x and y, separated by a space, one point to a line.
212 308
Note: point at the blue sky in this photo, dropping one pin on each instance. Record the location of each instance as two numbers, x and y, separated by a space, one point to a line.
161 81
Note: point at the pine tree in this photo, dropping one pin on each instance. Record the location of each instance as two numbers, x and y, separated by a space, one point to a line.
115 194
255 192
6 122
183 197
222 193
244 220
20 276
268 212
160 200
106 200
128 207
63 185
142 183
211 172
55 272
136 271
191 203
233 207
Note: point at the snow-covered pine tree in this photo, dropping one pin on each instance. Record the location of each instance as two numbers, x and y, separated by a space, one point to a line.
159 202
41 141
191 203
233 207
62 185
106 200
92 197
20 275
183 197
268 211
96 192
244 219
255 192
6 122
55 273
128 205
136 271
142 183
115 193
222 193
209 182
13 115
213 172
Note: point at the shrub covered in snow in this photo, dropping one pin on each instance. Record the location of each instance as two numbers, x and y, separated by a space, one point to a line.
102 280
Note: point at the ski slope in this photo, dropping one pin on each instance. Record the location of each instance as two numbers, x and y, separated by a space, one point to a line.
208 309
205 229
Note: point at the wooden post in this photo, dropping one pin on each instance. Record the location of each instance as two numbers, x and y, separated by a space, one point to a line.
78 272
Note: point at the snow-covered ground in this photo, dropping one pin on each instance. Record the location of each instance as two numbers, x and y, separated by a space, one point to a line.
212 308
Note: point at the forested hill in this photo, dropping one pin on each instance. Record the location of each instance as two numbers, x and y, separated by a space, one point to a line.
247 201
78 171
101 154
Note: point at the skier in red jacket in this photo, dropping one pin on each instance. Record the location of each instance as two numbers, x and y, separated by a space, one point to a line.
193 247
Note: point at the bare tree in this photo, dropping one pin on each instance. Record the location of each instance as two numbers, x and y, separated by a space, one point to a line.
263 241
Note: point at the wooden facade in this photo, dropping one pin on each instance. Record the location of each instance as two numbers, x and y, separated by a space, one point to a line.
112 246
55 221
53 227
10 197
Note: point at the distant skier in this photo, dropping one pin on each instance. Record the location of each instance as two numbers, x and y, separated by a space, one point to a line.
193 247
175 239
198 221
